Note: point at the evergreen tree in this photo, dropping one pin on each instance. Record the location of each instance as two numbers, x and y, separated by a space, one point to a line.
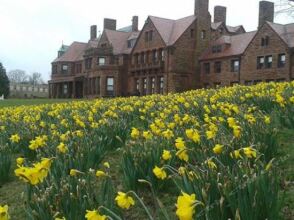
4 82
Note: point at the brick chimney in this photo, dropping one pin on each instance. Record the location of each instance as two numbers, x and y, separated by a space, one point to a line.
93 32
201 7
109 24
135 23
220 14
266 12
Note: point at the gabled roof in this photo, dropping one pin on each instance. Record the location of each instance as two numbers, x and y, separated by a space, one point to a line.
74 53
286 32
231 29
171 30
231 46
119 40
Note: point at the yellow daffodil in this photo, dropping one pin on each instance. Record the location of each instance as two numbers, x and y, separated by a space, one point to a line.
4 212
159 173
94 215
124 201
182 155
106 164
62 148
186 206
135 133
218 149
20 161
14 138
166 155
211 165
100 173
249 152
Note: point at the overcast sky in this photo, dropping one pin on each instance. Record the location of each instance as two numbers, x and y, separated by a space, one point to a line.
31 31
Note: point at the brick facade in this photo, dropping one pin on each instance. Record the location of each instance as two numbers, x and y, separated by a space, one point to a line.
174 56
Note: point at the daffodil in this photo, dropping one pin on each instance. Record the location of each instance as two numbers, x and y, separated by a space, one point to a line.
15 138
135 133
94 215
182 155
124 201
4 213
218 149
186 206
249 152
62 148
20 161
166 155
106 164
159 173
100 173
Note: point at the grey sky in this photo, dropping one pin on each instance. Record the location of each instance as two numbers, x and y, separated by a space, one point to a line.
31 31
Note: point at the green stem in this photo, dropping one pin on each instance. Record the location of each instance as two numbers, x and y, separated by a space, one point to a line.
111 212
142 203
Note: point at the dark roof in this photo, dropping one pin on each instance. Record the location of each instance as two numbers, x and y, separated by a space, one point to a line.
74 53
230 29
286 32
231 46
119 40
171 30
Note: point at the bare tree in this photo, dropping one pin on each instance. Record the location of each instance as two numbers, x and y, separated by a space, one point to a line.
36 78
17 76
285 7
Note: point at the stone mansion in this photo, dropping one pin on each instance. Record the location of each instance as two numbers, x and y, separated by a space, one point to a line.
174 56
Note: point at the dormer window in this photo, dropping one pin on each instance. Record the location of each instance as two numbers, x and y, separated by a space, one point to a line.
216 49
103 45
131 43
101 61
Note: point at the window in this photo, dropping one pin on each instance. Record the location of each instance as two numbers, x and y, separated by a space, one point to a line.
218 67
281 60
64 68
268 61
146 36
65 89
217 49
150 35
260 62
265 41
161 85
54 69
78 68
97 85
101 61
137 85
88 63
206 68
110 86
152 85
155 56
162 55
131 43
137 58
192 33
235 66
203 34
103 45
248 82
142 58
144 86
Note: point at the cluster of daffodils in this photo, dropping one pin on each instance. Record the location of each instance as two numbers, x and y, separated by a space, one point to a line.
36 174
200 148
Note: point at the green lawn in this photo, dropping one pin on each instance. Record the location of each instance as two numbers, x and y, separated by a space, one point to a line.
18 102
